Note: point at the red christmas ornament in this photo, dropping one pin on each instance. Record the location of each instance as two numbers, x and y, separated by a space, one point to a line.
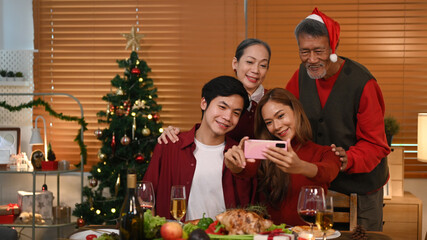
128 111
156 117
125 140
112 108
136 71
126 103
93 182
120 111
81 222
139 158
113 143
98 133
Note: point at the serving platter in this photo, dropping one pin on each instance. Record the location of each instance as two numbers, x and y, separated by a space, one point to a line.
81 235
332 236
234 237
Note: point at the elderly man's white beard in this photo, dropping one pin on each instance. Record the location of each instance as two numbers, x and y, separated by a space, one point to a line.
318 76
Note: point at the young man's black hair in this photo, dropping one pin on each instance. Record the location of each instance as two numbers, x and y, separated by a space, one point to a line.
224 86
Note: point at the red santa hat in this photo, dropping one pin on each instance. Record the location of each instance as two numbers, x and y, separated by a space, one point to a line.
333 30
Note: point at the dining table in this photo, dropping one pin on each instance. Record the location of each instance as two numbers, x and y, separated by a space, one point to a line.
346 235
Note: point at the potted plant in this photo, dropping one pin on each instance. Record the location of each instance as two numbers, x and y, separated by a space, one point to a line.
392 128
19 76
10 76
3 73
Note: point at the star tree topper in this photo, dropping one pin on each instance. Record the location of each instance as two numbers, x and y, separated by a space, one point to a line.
133 39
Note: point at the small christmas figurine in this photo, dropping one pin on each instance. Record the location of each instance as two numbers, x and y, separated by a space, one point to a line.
50 154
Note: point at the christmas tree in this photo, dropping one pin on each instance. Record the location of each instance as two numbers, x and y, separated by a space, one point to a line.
133 122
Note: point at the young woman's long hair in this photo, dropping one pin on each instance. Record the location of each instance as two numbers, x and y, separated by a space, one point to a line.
272 182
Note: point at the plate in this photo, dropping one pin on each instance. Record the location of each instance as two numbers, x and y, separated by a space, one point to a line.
98 232
235 237
332 236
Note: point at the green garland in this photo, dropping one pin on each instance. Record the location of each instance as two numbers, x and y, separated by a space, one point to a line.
40 102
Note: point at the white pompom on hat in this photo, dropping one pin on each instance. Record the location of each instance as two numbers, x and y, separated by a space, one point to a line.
333 28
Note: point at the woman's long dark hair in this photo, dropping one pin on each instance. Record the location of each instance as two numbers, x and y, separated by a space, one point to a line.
272 182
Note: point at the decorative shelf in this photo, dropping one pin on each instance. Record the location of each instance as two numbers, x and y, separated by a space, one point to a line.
15 83
40 172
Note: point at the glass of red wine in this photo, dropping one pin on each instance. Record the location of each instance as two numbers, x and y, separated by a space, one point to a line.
146 196
311 199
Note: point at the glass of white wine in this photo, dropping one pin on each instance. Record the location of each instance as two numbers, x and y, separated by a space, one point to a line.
178 202
146 196
325 216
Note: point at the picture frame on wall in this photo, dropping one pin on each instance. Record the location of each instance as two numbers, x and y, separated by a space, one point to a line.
10 143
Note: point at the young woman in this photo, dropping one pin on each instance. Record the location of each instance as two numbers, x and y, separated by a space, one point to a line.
250 64
280 116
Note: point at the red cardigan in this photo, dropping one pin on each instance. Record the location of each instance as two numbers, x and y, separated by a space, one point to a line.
371 144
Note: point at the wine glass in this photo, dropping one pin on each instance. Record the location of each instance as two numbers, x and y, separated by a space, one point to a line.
310 200
325 216
146 196
178 203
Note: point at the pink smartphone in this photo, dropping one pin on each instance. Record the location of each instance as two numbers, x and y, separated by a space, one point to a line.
254 148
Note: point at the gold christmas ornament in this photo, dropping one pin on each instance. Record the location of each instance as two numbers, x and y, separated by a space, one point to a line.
139 104
117 186
140 79
101 156
98 133
146 131
133 39
125 140
133 126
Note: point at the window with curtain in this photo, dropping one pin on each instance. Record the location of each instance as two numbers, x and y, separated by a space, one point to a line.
388 37
186 44
189 42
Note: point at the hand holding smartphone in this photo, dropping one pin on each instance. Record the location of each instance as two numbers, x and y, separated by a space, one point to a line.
254 148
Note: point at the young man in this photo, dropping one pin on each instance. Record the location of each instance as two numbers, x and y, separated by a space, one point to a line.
346 108
197 160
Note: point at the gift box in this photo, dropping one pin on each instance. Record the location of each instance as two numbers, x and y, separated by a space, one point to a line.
49 165
7 219
61 214
10 209
275 236
43 206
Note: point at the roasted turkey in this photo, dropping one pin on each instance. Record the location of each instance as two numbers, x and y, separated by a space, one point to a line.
239 222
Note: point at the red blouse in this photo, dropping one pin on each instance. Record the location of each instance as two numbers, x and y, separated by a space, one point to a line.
328 165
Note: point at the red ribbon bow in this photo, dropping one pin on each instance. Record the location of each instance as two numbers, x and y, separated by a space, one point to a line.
272 234
275 232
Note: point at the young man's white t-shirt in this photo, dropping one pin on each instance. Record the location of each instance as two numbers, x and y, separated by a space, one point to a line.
206 195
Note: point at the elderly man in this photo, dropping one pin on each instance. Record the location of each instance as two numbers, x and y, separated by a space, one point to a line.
346 109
